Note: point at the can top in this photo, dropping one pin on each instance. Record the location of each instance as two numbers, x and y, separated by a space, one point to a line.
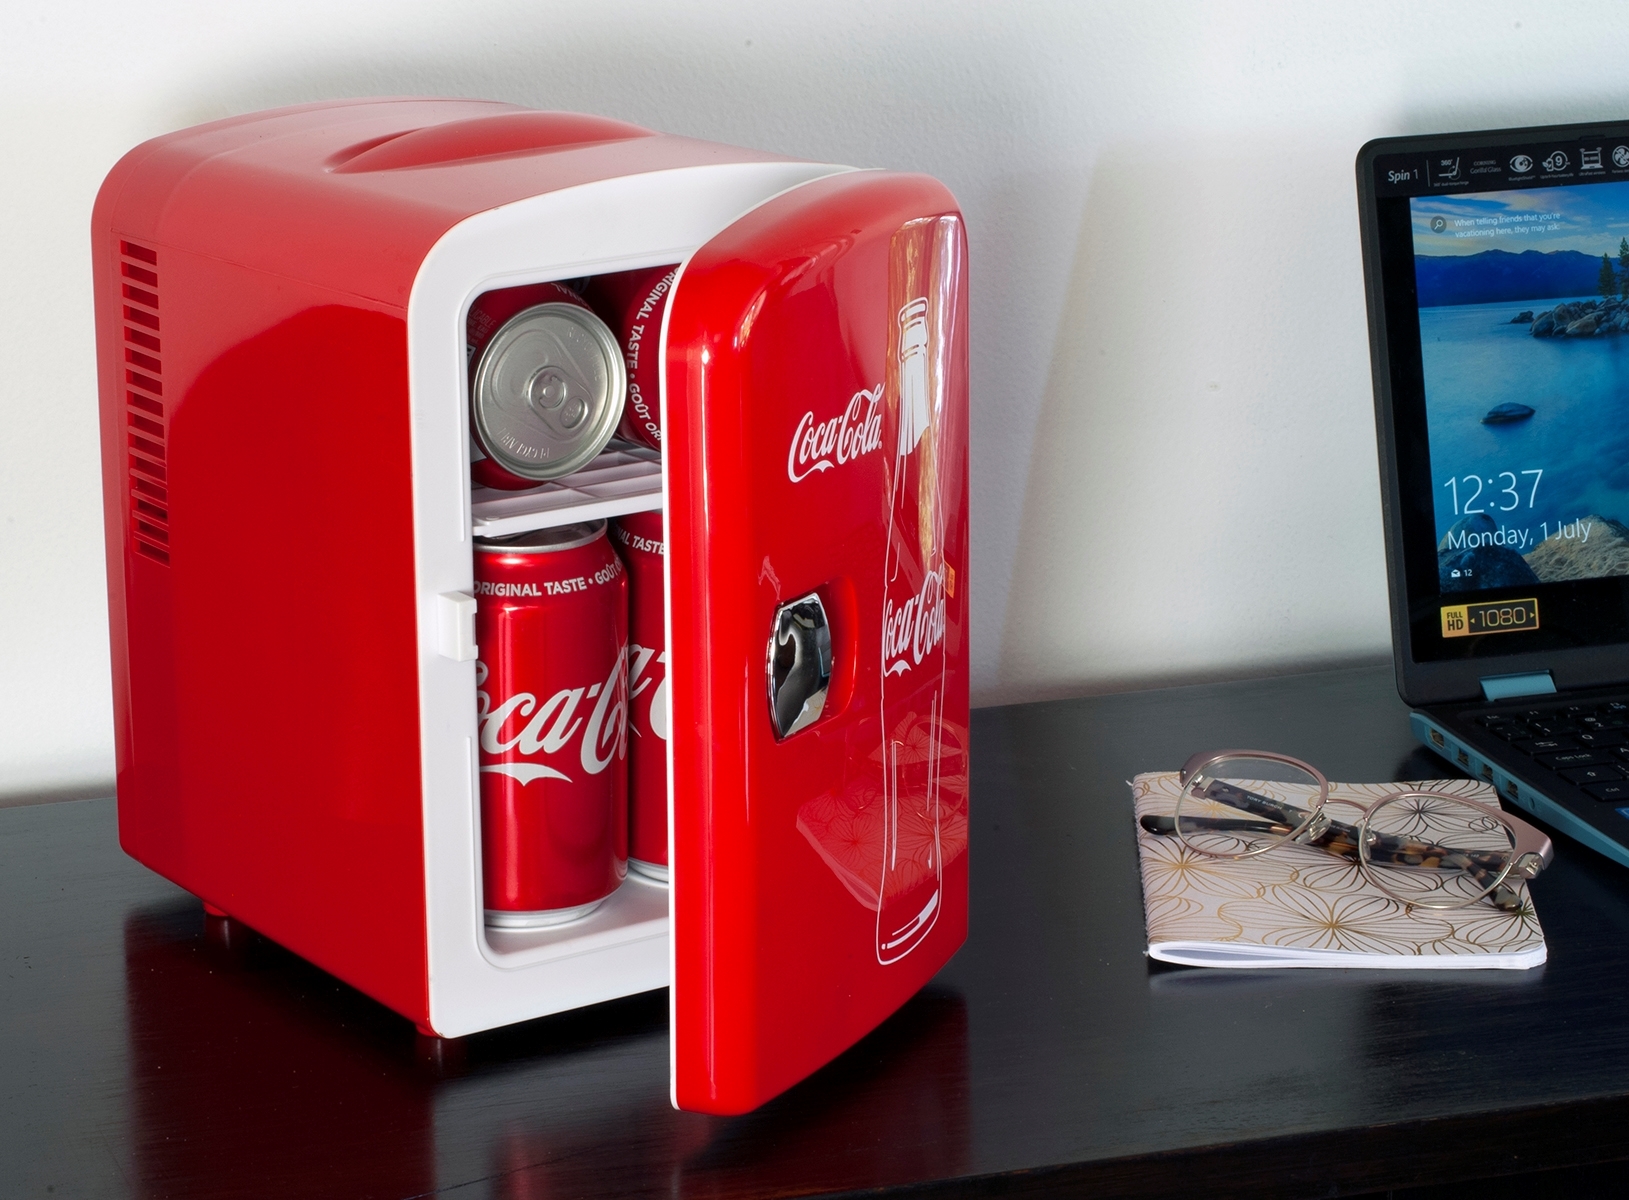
542 541
548 391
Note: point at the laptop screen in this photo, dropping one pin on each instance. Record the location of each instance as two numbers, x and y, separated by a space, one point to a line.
1507 303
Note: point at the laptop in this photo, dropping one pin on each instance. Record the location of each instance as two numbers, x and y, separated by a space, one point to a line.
1497 272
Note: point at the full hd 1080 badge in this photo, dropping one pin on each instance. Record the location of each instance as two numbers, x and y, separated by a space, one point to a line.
1493 616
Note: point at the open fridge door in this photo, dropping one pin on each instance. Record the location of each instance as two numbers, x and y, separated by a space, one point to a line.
815 407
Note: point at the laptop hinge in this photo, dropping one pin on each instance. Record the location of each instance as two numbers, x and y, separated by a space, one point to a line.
1507 687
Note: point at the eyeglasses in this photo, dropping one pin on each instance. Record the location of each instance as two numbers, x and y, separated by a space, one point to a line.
1423 849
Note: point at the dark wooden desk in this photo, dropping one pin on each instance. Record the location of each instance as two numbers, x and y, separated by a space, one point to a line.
146 1052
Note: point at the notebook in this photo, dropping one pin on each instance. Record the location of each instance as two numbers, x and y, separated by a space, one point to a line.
1497 271
1296 906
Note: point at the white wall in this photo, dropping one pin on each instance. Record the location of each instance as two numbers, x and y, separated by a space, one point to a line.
1173 457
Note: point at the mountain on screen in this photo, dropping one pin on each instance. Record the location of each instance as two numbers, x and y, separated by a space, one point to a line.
1495 275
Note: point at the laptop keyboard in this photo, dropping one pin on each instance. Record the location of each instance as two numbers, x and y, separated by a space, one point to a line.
1585 744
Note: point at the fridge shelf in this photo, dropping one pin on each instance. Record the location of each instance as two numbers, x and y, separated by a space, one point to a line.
623 479
637 912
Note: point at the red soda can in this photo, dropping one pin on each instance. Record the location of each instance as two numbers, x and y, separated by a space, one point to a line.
546 385
551 621
632 303
639 537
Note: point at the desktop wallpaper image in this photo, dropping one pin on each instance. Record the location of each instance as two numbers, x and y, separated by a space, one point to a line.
1524 338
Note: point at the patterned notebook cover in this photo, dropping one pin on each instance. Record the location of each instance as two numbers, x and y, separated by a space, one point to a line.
1296 906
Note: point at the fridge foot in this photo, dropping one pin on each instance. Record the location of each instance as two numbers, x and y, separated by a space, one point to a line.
226 933
439 1056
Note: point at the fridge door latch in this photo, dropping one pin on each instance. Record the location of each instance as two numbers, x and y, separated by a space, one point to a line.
799 665
455 626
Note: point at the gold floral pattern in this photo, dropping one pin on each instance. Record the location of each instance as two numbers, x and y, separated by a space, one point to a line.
1195 917
1300 898
1170 869
1329 874
1498 932
1355 921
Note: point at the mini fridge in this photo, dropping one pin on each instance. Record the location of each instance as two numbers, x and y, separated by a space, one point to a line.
280 310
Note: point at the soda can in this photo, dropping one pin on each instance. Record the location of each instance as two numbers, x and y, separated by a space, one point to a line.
639 537
632 303
546 385
551 622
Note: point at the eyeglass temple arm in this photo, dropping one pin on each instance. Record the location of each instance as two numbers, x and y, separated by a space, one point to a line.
1263 806
1338 836
1337 839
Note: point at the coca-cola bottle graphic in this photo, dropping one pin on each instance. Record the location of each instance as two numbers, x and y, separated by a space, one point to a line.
925 267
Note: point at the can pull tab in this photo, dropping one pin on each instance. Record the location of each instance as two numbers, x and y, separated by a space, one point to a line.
799 665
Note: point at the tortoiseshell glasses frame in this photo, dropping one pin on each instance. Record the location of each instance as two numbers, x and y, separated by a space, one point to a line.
1422 848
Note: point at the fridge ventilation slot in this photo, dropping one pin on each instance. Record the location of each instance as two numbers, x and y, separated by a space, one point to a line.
146 432
623 479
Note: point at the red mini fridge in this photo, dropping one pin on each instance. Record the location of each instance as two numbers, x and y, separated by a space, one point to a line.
280 307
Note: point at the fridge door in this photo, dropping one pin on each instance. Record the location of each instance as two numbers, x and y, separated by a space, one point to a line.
815 412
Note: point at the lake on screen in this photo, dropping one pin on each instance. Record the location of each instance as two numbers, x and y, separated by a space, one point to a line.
1475 359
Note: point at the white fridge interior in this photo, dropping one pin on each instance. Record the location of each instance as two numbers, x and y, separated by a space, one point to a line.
481 978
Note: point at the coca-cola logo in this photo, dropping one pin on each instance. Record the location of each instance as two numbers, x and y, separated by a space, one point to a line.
520 723
640 659
910 631
822 445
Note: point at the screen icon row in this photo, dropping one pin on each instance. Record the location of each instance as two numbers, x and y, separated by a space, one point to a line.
1502 166
1559 160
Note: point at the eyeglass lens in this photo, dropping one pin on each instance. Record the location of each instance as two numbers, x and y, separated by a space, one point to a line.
1433 851
1241 805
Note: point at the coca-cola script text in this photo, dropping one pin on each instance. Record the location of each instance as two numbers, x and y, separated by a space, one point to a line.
819 446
